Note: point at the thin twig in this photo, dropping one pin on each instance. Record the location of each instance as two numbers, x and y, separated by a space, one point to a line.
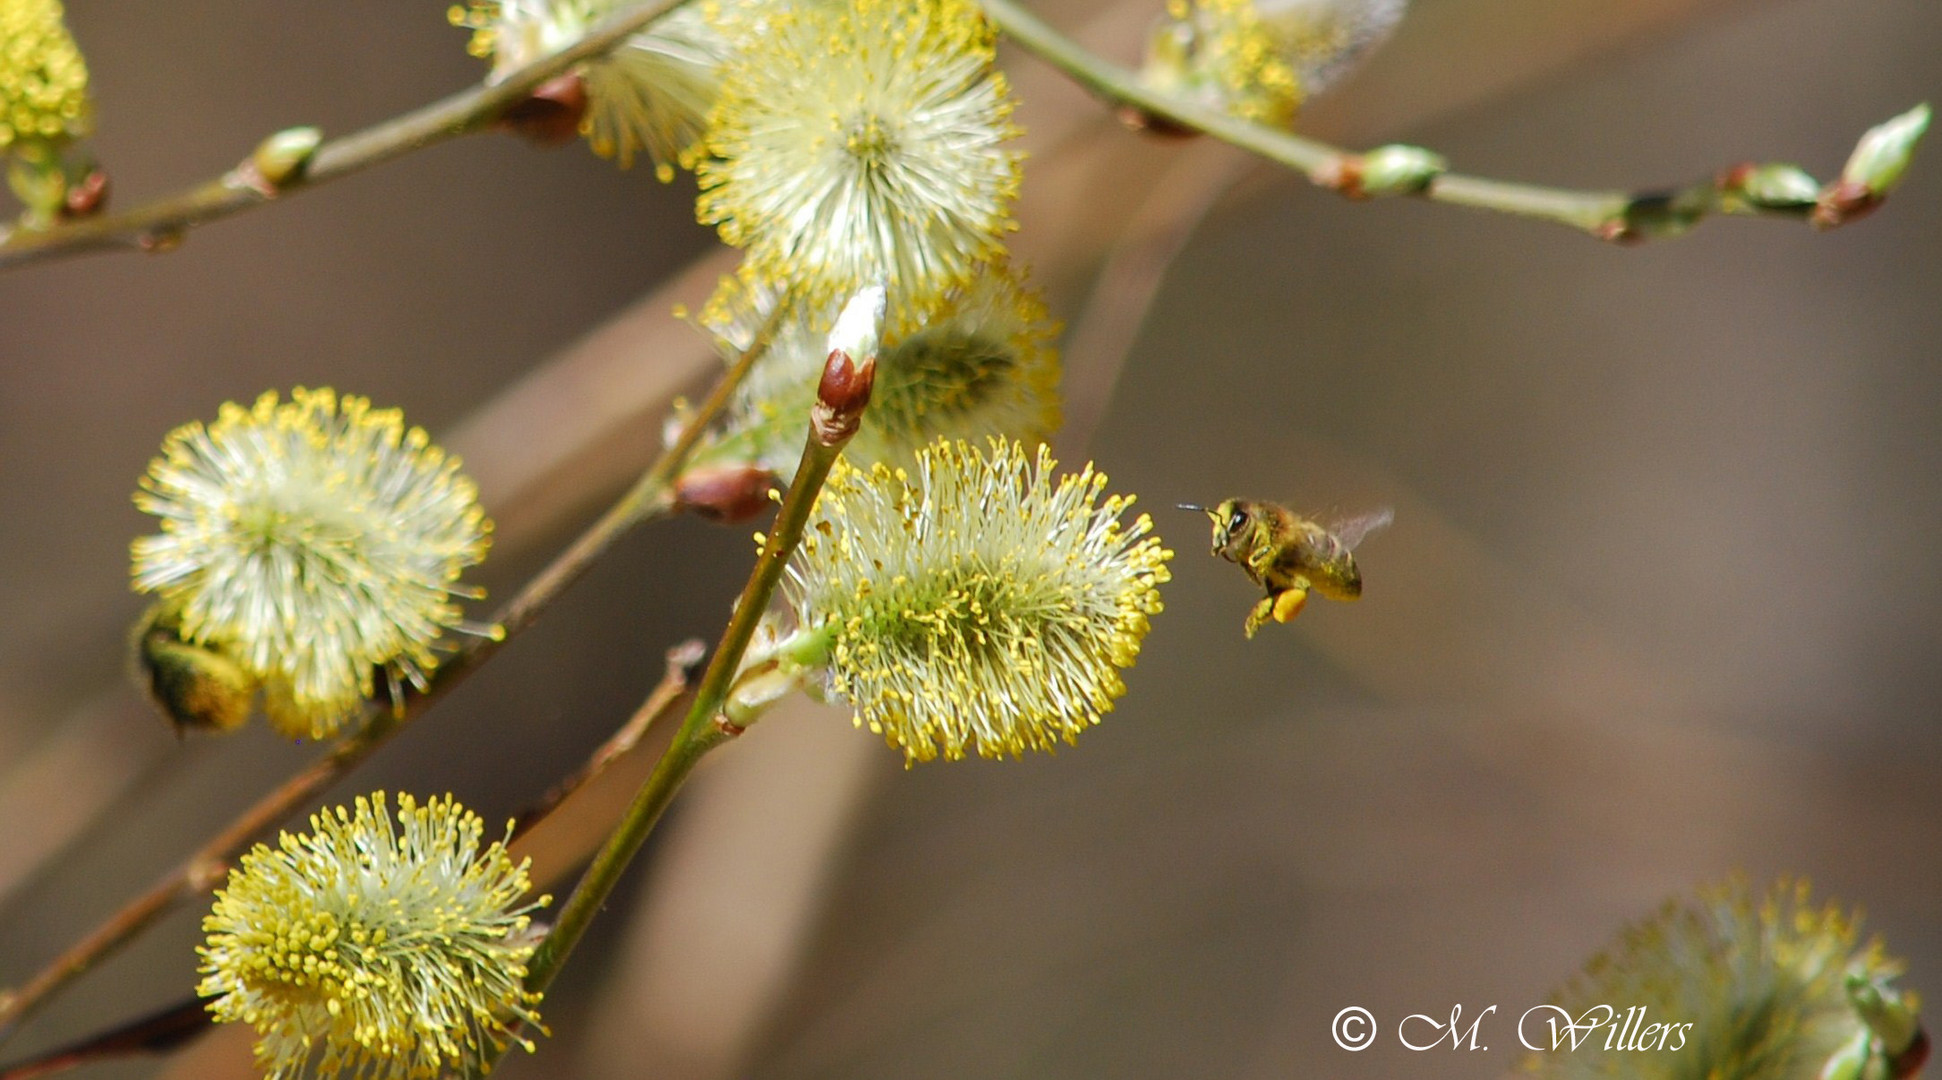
175 1026
651 496
160 225
682 660
705 727
155 1033
1609 215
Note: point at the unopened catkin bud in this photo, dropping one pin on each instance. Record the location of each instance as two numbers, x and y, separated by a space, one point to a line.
1775 186
284 156
551 116
1881 157
1398 170
1878 163
725 493
860 324
851 370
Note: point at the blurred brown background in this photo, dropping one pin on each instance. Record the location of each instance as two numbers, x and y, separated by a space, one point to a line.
1660 603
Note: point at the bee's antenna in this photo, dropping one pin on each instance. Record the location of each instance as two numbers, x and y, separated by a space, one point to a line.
1191 506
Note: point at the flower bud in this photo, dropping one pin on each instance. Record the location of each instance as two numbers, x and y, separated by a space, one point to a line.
86 196
1878 163
1398 170
841 397
1852 1061
284 156
725 493
1773 186
552 115
844 391
1881 157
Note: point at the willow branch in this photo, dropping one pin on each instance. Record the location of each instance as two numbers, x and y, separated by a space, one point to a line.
1617 216
160 225
841 398
651 496
681 663
155 1033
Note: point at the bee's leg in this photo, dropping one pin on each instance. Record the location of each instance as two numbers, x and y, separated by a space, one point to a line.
1259 617
1289 604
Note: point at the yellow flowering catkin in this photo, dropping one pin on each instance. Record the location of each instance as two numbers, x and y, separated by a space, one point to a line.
373 946
312 541
1760 982
43 80
979 602
859 142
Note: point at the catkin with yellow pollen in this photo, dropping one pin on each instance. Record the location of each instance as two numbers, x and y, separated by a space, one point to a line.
43 80
978 603
863 141
1261 59
1732 984
313 542
374 946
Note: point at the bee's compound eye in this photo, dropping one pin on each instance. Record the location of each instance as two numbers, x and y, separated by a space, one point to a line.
1235 521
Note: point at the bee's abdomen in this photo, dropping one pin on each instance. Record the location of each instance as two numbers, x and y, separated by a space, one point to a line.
1337 578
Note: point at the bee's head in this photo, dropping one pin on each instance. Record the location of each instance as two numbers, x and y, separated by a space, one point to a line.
1231 520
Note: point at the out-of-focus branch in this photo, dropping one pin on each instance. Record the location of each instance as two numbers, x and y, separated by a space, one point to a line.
682 661
1624 217
160 225
1099 341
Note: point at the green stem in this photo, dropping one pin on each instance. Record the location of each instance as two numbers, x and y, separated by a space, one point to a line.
1609 215
702 731
160 224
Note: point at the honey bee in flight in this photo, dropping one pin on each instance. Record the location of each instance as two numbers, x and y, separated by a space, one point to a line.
1290 555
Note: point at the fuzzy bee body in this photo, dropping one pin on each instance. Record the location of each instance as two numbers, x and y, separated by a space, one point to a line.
1289 555
197 688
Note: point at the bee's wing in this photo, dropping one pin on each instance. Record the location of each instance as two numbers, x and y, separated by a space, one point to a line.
1355 528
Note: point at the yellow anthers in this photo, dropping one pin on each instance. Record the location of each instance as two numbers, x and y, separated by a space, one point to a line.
651 95
1729 985
1218 52
312 542
374 946
1324 40
978 363
1260 59
43 80
860 141
978 603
